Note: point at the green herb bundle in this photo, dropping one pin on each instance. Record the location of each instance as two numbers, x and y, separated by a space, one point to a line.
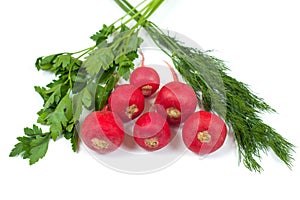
86 78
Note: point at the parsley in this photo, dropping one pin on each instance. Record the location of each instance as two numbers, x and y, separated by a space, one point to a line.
32 146
84 79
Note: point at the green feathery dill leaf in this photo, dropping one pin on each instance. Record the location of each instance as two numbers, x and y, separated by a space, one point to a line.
229 98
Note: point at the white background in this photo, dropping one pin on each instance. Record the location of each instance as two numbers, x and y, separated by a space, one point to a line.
258 39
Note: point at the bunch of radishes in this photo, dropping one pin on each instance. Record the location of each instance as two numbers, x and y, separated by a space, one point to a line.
175 103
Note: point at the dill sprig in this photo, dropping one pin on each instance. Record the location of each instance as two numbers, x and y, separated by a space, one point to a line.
229 98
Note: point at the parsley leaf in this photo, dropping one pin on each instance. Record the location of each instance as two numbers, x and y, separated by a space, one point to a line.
106 53
102 35
58 120
77 105
35 130
20 147
54 97
74 139
32 146
101 58
39 147
62 60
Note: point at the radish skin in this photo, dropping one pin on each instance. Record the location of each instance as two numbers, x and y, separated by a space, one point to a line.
127 101
204 132
176 100
102 131
151 131
145 78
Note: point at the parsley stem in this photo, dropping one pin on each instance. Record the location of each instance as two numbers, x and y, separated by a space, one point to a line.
139 16
133 9
86 49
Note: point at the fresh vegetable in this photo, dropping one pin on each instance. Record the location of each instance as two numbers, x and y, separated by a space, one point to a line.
102 131
151 131
86 78
176 100
217 91
145 78
127 101
204 132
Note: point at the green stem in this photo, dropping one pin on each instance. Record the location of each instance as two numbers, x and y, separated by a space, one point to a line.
86 49
130 11
128 8
133 14
140 17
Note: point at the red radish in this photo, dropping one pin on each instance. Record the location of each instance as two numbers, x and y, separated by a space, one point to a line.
176 100
204 132
127 101
102 131
151 131
145 78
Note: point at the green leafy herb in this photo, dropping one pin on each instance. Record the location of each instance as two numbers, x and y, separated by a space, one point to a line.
32 146
103 34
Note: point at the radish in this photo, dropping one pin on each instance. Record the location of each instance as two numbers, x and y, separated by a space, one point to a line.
204 132
145 78
102 131
127 101
151 131
176 100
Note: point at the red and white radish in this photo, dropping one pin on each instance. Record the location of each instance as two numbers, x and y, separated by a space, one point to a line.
176 100
127 101
151 131
145 78
102 131
204 132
